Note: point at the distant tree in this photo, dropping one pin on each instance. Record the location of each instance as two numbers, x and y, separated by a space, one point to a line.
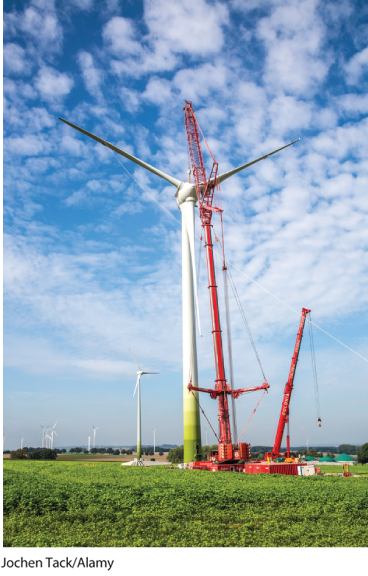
123 451
110 451
43 454
319 454
20 454
150 452
129 452
347 449
153 459
160 453
330 455
101 450
85 451
260 457
312 452
93 450
116 452
176 455
63 450
6 452
72 450
362 455
78 450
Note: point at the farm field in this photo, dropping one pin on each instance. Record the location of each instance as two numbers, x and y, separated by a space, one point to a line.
76 504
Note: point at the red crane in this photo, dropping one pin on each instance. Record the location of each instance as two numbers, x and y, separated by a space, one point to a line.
284 415
205 193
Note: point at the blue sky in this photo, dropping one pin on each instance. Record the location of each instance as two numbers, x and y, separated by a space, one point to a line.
92 266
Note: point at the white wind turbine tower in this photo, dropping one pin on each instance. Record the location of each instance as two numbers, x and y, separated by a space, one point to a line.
50 436
4 436
89 443
154 440
138 385
94 436
44 430
21 442
186 198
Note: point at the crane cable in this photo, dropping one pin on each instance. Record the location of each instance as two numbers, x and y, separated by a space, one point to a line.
251 415
233 287
314 369
201 409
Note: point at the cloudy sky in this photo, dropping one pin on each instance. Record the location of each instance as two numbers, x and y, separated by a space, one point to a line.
92 265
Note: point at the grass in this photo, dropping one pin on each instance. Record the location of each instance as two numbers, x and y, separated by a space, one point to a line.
104 504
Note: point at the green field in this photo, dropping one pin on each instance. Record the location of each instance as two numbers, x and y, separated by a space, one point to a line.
72 504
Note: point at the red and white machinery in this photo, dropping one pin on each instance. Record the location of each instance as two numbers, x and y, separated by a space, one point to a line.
229 456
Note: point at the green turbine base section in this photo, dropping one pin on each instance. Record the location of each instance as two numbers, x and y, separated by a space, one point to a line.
192 428
139 451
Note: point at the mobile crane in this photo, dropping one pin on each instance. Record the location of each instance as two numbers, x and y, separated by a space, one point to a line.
284 414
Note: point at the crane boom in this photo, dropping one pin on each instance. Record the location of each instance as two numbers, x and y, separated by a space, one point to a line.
205 189
284 415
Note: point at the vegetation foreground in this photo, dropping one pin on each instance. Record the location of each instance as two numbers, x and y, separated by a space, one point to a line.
76 504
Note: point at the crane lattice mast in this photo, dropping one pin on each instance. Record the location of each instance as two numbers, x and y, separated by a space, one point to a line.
205 189
284 415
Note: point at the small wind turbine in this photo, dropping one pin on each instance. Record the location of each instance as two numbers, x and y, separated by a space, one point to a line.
94 436
50 436
4 436
44 429
89 443
154 440
138 385
21 443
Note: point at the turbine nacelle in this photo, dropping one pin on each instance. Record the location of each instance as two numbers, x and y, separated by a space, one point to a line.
184 192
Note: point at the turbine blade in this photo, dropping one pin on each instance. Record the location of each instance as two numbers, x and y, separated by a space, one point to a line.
189 224
56 433
136 387
171 179
134 359
54 424
150 372
227 175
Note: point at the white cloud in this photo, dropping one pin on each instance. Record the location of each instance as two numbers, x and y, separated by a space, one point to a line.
15 61
53 84
120 35
293 35
193 27
92 77
356 66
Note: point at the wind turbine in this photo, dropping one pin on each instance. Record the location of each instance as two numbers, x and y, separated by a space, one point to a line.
138 385
44 429
50 436
186 198
94 436
89 443
154 440
21 442
4 436
206 435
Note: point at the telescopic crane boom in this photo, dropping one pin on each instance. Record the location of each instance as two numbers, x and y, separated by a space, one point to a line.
284 415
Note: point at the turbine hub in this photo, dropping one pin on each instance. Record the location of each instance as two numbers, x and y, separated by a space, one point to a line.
184 192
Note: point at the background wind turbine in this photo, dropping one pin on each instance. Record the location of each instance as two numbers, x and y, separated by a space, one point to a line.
186 197
21 442
44 429
138 385
154 440
4 436
94 436
89 443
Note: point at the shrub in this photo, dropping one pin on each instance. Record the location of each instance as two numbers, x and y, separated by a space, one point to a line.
362 455
176 455
43 454
20 454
